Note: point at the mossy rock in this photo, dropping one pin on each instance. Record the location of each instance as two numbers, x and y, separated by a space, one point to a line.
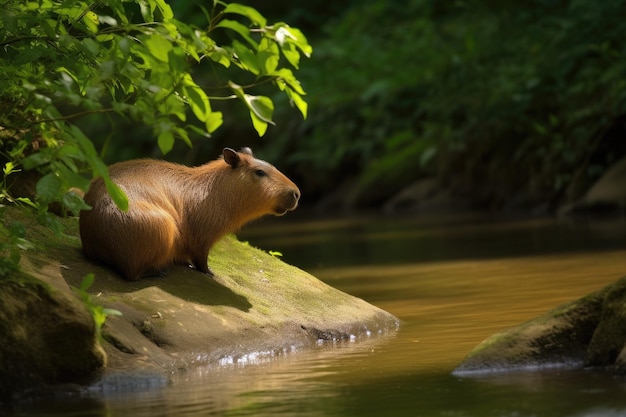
608 346
255 303
589 332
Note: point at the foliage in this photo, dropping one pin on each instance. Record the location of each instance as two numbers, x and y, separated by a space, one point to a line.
65 60
13 235
12 243
98 312
275 253
494 98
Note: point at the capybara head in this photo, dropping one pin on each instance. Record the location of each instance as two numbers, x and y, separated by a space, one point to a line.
263 188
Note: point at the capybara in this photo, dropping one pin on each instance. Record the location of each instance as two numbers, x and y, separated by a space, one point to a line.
176 213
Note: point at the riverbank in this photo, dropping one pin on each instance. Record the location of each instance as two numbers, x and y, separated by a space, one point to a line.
255 305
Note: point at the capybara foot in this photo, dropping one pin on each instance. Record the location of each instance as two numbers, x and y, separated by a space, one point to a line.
154 273
206 270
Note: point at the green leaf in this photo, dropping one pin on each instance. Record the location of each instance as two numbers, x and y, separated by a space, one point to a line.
298 101
166 141
197 99
159 47
9 168
165 9
87 282
70 178
247 11
247 59
28 202
35 160
292 42
74 203
268 56
174 106
259 125
221 56
91 46
111 312
242 30
214 121
48 188
148 7
239 93
27 56
292 55
261 106
117 194
291 81
182 133
199 131
301 42
283 36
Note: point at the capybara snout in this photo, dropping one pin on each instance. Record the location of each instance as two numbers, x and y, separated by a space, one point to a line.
289 203
177 213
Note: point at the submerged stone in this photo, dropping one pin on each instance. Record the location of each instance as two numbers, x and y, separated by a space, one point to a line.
590 332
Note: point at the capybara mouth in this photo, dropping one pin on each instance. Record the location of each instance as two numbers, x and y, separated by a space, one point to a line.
279 211
288 206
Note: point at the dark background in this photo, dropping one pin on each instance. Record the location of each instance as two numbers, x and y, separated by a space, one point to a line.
507 106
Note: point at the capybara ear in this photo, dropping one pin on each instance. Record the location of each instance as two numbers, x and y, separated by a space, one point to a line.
231 157
246 150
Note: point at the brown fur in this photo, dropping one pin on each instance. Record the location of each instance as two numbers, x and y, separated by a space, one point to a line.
177 213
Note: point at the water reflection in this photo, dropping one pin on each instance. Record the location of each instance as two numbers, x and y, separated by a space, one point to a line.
452 281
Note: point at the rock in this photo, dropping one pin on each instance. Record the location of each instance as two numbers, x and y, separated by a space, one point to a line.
608 194
254 306
590 332
607 348
46 337
425 195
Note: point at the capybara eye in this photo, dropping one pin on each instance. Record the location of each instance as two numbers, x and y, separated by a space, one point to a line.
260 173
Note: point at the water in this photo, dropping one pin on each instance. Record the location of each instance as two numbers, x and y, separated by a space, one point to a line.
451 281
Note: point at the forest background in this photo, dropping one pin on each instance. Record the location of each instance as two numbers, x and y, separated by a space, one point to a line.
506 106
515 105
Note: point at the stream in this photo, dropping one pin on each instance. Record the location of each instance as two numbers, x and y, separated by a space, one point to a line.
451 280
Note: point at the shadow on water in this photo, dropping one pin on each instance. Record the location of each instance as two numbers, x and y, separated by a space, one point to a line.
547 393
381 240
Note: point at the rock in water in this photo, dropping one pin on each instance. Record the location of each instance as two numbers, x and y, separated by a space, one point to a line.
590 331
